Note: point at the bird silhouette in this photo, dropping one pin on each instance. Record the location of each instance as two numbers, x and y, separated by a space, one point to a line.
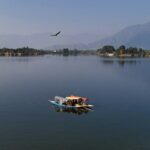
56 34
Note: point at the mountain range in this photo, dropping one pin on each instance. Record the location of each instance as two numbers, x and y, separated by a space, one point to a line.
132 36
46 41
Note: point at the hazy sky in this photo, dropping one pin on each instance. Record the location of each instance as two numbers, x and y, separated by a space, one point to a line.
71 16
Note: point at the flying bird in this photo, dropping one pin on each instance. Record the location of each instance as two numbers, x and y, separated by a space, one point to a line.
56 34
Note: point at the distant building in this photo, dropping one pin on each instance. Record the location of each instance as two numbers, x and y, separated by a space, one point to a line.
125 55
19 54
9 54
109 54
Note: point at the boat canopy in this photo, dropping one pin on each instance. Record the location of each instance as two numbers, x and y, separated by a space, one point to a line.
72 97
60 99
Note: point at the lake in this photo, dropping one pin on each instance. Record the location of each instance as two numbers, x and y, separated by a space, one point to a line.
119 89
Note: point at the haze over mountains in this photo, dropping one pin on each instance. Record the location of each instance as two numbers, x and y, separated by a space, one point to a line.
45 41
134 36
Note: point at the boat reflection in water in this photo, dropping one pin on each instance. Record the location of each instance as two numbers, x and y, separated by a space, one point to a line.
76 111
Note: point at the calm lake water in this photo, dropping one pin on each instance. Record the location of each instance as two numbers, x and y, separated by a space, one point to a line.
119 89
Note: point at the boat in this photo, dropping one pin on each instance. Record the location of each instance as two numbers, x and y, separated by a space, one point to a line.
71 102
76 111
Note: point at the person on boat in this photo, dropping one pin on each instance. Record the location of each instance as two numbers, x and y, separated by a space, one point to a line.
69 103
80 102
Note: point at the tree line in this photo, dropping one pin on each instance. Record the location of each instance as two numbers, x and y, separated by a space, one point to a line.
122 51
106 50
25 51
75 52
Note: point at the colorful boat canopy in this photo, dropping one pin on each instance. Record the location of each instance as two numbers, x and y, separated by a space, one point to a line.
72 97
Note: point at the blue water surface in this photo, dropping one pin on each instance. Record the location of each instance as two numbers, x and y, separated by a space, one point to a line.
119 89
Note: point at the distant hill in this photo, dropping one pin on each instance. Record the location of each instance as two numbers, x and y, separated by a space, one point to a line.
45 41
134 36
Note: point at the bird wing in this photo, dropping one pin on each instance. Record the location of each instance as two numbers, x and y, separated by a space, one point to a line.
56 34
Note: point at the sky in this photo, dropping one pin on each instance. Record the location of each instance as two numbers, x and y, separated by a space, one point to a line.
104 17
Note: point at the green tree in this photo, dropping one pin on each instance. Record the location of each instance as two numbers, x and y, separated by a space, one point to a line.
65 51
108 49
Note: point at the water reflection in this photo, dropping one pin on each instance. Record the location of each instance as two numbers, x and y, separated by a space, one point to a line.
22 59
120 62
108 61
76 111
